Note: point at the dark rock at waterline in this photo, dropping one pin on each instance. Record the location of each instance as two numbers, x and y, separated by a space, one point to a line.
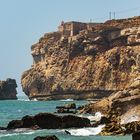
74 121
115 128
8 89
2 128
28 121
112 129
49 121
136 136
61 110
15 124
67 132
68 108
53 137
132 127
103 120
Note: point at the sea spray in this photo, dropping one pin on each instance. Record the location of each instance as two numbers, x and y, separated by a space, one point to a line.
92 118
96 117
86 131
67 100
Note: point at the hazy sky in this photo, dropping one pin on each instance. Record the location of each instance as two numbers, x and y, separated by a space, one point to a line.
23 22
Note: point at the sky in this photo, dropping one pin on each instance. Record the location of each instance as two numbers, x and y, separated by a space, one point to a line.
23 22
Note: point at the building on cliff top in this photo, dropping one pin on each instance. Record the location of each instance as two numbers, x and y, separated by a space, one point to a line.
73 28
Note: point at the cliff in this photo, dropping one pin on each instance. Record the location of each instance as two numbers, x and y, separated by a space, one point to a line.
8 89
84 60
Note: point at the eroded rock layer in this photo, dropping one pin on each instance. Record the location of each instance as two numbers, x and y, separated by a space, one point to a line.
84 60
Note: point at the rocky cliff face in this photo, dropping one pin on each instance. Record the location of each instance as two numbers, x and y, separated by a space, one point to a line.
91 64
8 89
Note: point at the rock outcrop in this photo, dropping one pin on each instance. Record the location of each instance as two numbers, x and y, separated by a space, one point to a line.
121 109
124 104
82 61
8 89
68 108
53 137
49 121
136 136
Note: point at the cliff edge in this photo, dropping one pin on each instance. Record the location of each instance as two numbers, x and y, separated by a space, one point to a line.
84 60
8 89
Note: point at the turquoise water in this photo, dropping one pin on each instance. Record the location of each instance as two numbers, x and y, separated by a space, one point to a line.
10 110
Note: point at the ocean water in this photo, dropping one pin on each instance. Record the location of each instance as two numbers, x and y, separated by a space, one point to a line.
12 109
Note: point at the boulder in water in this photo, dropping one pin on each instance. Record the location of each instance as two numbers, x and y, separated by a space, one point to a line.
53 137
49 121
15 124
28 121
136 136
70 121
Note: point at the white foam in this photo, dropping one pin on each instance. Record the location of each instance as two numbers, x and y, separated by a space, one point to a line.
68 100
22 130
86 131
6 135
34 99
19 131
96 117
93 118
26 100
16 134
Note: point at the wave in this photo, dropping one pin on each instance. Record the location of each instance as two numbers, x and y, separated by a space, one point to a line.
16 133
26 100
34 99
96 117
67 100
86 131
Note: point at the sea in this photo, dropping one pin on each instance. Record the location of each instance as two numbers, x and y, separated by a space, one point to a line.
16 109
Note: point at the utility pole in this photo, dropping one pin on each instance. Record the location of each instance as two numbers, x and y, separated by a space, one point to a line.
109 15
114 15
90 20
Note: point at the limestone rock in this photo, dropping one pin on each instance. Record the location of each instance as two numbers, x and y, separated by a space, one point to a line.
8 89
84 61
125 102
112 129
121 109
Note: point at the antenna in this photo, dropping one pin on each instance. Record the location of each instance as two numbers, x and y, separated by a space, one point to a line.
109 15
114 15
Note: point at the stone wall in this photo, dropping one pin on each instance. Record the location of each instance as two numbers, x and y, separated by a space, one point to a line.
71 28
